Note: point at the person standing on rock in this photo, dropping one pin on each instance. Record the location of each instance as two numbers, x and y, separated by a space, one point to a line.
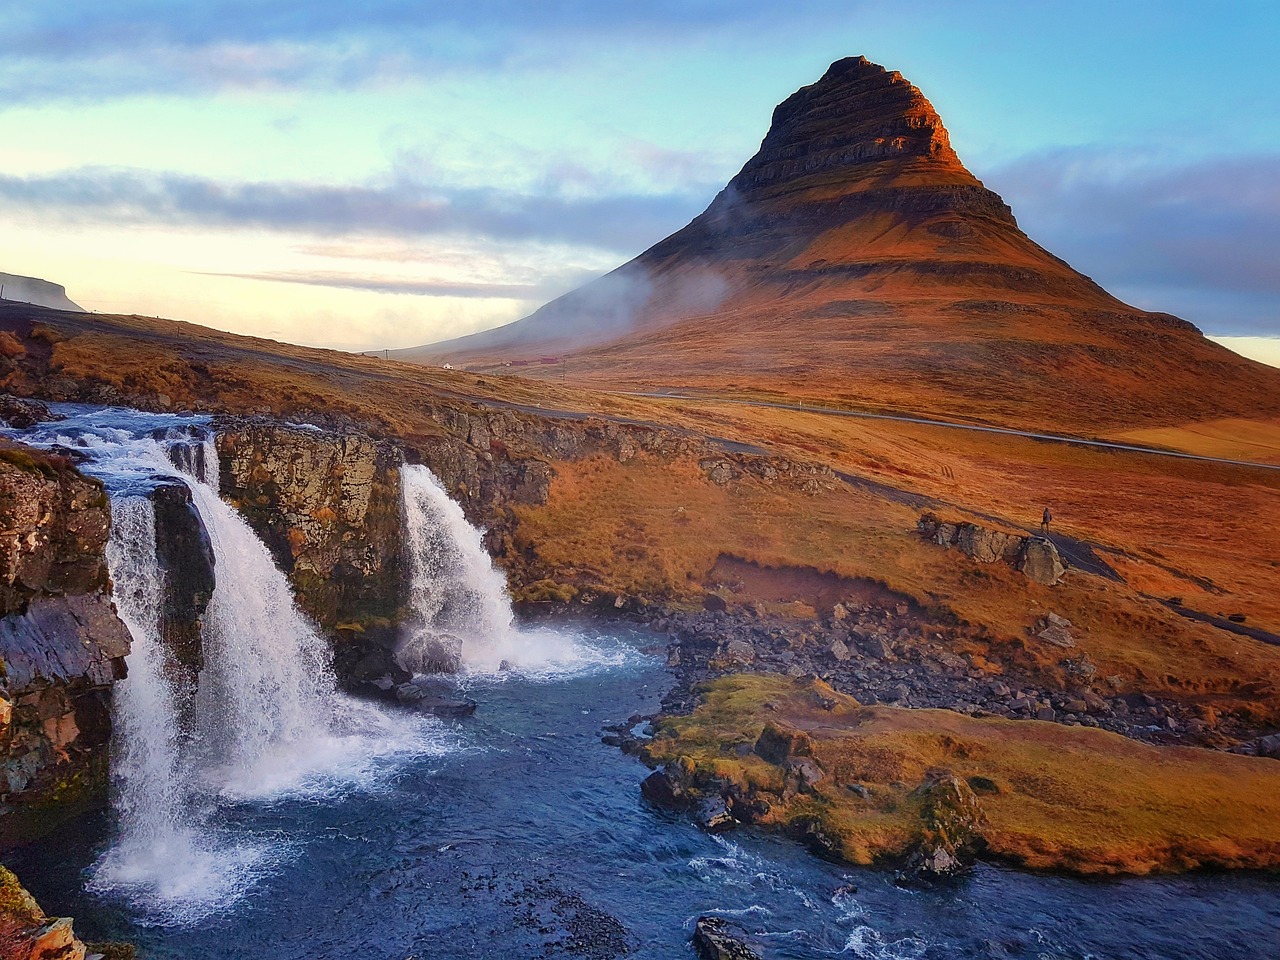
1045 521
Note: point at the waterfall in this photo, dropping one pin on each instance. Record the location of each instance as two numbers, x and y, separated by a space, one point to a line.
267 690
146 770
268 722
458 597
455 590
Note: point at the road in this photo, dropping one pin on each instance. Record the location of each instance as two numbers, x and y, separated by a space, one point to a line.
952 425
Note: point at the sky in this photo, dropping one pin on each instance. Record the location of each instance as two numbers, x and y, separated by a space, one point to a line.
396 172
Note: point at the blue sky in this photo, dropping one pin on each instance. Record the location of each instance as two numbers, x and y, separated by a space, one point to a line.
399 171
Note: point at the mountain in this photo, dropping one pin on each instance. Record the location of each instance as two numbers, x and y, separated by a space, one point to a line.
42 293
854 260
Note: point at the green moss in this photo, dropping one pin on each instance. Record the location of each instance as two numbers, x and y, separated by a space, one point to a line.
16 903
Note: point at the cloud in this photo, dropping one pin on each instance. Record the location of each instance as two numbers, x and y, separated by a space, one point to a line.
397 285
88 49
1198 239
397 206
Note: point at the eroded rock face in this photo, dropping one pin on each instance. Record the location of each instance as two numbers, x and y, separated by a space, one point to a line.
27 933
328 505
54 524
61 642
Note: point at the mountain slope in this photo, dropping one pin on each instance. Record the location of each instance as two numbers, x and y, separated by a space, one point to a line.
855 261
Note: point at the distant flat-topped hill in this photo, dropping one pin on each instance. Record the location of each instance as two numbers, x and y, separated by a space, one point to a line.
42 293
855 261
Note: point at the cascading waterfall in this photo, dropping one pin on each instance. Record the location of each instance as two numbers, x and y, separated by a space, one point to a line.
268 722
156 824
457 592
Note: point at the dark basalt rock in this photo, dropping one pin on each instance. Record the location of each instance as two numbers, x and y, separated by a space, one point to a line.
665 790
713 939
185 556
426 697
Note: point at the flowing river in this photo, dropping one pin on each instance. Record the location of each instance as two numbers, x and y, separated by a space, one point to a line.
289 821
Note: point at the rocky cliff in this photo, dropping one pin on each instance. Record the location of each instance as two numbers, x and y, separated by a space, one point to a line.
328 501
328 505
61 642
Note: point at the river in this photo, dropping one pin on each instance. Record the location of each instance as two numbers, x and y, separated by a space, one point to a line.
338 828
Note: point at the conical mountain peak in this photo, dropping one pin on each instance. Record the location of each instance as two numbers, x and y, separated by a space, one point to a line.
855 261
856 117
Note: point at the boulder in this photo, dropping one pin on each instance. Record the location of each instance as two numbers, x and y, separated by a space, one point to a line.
734 655
713 940
664 789
779 744
714 816
425 652
1041 562
1056 630
951 823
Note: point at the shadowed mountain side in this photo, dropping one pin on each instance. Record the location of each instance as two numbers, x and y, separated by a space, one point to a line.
855 260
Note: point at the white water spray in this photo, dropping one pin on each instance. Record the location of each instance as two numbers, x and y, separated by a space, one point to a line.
456 591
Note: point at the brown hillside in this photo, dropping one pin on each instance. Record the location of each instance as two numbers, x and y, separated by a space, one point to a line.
854 261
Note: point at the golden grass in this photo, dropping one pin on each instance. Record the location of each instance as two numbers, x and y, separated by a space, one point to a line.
657 529
1232 439
1175 528
1059 797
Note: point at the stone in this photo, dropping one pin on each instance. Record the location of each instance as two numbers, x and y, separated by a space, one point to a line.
805 771
1054 629
444 707
876 648
1041 562
735 653
713 815
778 744
713 941
950 834
663 789
714 604
839 650
21 413
427 653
